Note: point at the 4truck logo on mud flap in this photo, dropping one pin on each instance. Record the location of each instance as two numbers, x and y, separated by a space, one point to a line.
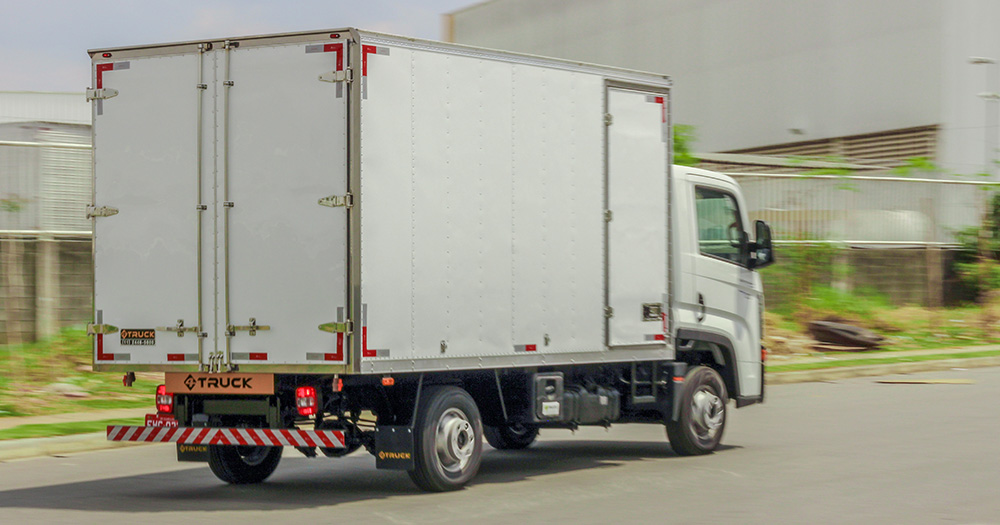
237 383
393 455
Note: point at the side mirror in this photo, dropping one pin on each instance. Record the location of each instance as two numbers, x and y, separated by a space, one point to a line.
763 252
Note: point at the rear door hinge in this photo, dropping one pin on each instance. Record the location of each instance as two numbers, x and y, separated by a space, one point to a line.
100 329
101 94
101 211
344 75
337 328
609 312
337 201
608 215
608 119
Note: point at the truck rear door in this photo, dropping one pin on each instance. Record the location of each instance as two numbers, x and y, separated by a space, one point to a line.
636 217
145 217
217 158
284 253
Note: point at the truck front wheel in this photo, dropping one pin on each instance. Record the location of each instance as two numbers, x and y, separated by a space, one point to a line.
242 465
448 445
702 416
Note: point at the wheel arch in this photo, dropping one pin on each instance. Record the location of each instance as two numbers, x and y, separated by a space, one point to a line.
723 355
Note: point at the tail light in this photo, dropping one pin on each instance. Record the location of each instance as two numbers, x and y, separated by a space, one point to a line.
305 400
164 400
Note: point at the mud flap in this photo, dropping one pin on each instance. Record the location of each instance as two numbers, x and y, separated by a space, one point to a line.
187 452
394 448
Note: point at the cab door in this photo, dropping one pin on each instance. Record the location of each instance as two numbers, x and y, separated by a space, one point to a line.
721 297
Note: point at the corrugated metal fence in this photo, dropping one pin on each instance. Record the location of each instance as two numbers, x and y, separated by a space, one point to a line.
864 210
893 235
46 274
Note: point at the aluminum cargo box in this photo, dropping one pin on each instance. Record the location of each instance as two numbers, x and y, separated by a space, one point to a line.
353 202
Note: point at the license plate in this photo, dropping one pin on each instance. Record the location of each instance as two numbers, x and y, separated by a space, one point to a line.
228 383
158 421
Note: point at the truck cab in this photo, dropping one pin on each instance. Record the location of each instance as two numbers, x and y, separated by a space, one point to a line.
720 296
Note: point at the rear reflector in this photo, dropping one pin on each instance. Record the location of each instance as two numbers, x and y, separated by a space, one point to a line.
305 400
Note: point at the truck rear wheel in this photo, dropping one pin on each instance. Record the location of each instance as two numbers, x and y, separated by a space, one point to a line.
241 465
702 414
510 437
448 445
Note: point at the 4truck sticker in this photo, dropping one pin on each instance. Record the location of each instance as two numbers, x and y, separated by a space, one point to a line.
138 337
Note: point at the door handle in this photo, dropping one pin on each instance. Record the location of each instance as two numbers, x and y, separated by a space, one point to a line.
701 309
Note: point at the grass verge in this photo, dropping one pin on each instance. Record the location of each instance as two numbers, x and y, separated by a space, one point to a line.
878 361
54 376
63 429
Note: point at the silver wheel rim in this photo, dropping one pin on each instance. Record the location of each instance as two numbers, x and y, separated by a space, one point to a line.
707 414
253 456
454 441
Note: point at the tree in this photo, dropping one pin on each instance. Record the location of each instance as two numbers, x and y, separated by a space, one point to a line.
684 137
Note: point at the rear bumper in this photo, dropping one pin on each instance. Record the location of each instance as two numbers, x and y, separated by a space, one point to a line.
270 437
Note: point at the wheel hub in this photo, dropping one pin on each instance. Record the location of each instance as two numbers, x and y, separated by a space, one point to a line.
707 413
454 440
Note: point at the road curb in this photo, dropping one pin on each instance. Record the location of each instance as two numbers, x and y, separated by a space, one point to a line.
57 446
847 372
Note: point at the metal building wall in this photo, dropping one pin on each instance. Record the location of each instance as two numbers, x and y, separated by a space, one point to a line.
27 106
45 173
753 73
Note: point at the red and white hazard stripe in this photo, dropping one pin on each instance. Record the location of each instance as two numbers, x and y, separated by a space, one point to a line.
273 437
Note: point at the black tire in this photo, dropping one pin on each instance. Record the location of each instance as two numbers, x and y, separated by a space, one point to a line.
241 465
448 445
702 414
510 437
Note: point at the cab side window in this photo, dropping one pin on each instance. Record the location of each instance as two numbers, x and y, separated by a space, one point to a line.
719 224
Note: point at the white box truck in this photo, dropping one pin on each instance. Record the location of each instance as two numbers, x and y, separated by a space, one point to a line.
340 239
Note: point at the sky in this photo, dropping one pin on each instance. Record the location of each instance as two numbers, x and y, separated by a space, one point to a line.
44 43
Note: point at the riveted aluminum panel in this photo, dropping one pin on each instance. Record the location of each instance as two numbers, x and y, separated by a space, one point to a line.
558 210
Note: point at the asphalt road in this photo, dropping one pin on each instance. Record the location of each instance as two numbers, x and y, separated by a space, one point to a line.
853 451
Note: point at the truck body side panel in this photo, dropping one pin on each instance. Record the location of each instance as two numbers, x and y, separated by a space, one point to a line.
483 212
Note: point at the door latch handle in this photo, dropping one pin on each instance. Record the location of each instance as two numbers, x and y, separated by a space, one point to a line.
701 309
